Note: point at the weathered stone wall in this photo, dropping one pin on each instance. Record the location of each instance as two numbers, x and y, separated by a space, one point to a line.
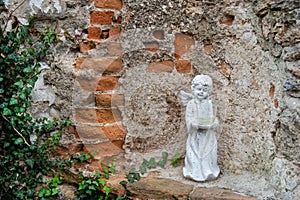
118 67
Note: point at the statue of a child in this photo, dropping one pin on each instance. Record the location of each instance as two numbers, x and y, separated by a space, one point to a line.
201 147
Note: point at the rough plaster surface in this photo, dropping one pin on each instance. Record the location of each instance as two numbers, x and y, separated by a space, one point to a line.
257 95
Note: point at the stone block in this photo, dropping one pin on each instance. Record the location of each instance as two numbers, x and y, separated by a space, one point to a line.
103 18
88 84
156 188
217 194
100 65
183 66
161 66
86 115
90 133
114 49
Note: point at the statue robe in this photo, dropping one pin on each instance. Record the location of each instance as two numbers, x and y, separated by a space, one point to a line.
201 147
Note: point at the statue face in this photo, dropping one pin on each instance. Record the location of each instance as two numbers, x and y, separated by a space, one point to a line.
201 92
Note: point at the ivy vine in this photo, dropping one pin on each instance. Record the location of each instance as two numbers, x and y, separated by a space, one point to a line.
26 144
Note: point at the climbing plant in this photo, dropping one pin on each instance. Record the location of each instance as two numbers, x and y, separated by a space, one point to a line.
26 144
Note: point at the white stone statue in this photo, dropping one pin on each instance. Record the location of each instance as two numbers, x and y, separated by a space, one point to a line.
201 121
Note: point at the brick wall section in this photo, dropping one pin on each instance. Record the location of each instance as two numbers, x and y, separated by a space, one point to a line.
99 125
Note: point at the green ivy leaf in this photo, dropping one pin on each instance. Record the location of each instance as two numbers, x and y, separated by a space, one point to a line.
165 155
89 192
13 101
18 141
143 169
19 84
42 192
123 183
7 112
23 96
107 190
30 163
101 181
54 191
27 70
137 176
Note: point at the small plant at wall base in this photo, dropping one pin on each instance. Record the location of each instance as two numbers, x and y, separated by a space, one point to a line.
95 188
51 191
23 160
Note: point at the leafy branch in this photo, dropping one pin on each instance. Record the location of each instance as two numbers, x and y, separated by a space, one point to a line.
16 131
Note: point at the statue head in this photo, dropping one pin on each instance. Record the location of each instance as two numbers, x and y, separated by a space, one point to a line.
202 86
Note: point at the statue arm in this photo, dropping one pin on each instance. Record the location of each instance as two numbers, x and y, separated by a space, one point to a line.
190 117
213 125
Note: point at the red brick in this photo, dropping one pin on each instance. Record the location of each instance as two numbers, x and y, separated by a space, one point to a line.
114 132
98 17
183 44
117 20
114 32
225 69
108 115
105 34
183 66
114 49
158 34
256 86
95 165
79 62
91 132
118 143
72 131
103 149
276 103
86 115
272 91
108 83
161 66
110 4
108 100
85 46
94 33
208 48
100 65
74 148
152 46
227 20
61 151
